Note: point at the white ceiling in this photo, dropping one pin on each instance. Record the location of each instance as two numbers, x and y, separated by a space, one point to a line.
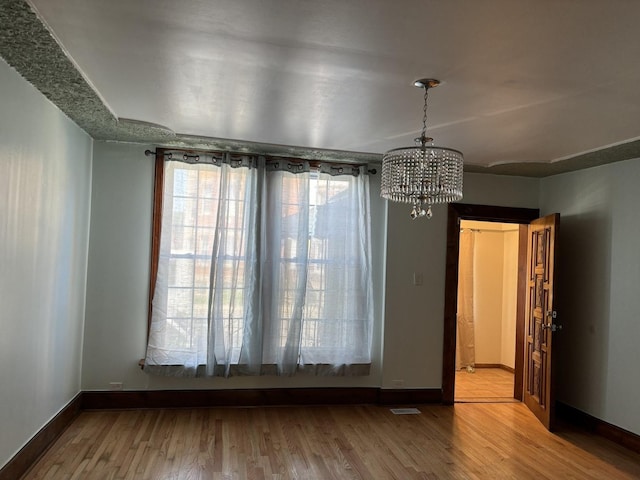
522 81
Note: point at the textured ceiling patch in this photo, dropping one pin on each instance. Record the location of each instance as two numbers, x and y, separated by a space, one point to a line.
27 45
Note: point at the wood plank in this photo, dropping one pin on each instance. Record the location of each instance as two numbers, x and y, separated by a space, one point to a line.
330 442
484 383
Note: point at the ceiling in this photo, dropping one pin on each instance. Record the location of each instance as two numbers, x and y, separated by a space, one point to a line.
526 85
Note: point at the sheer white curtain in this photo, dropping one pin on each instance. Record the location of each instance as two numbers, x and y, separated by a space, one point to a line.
339 302
197 199
466 351
264 268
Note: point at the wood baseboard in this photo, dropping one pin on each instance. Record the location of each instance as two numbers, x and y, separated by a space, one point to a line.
40 442
107 400
599 427
495 365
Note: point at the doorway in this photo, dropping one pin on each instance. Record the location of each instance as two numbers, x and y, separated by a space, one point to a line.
486 315
484 213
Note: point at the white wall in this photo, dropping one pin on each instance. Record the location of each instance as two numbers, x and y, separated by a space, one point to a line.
509 297
118 281
495 295
598 291
408 342
45 184
488 295
414 314
118 271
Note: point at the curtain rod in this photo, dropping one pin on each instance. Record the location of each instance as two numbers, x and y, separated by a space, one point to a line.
194 154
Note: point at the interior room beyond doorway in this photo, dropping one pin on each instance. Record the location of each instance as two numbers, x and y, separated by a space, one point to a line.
486 315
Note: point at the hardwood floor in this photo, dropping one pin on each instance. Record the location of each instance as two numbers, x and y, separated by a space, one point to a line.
485 384
466 441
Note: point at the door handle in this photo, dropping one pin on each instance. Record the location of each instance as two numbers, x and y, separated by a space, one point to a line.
552 314
552 326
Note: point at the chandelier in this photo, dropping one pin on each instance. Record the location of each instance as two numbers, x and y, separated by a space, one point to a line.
422 175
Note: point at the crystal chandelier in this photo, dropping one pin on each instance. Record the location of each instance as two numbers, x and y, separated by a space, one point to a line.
422 175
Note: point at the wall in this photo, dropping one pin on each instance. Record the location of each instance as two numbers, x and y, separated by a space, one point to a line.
598 301
509 297
495 283
45 186
118 281
414 314
488 285
407 340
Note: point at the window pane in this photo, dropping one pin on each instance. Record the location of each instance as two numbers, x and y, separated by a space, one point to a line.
180 272
184 211
200 302
183 240
180 302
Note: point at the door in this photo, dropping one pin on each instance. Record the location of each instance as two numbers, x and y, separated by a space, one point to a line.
540 318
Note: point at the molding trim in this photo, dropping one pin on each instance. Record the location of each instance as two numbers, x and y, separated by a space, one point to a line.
108 400
41 441
496 365
594 425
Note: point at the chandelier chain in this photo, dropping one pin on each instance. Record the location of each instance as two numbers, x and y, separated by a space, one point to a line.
423 137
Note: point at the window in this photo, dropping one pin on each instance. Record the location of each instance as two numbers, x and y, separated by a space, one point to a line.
263 268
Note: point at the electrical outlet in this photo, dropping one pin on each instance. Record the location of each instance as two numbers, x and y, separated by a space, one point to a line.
397 383
115 385
418 278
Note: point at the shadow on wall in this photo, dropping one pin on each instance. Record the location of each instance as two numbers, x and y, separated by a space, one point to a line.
584 274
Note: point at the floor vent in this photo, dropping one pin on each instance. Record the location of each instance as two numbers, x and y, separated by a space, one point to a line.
405 411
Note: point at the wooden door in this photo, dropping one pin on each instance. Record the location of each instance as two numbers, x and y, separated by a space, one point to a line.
540 318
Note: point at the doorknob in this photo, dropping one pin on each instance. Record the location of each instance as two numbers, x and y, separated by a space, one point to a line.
552 326
552 314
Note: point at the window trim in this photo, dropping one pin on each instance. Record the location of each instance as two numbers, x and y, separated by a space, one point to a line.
156 229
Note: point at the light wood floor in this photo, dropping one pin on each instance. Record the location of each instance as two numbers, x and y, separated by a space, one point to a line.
485 384
466 441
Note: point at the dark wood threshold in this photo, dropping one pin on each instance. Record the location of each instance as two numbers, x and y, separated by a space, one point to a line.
41 441
594 425
107 400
